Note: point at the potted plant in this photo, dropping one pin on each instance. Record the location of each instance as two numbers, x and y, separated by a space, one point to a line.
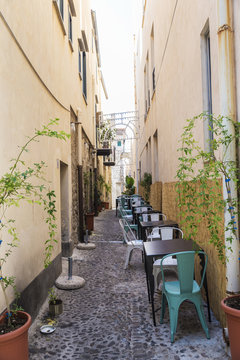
55 304
129 185
98 200
17 185
100 185
107 191
146 183
106 134
89 219
200 198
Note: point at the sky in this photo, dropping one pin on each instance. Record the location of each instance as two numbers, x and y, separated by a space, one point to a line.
116 21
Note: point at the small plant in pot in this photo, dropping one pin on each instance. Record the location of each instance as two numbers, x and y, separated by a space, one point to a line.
55 304
21 183
146 183
107 192
129 185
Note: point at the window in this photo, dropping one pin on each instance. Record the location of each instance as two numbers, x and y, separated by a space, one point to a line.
60 6
152 60
79 62
70 37
207 85
84 74
155 156
147 81
149 160
145 92
119 143
146 87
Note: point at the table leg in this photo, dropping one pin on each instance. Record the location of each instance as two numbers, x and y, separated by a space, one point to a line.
150 283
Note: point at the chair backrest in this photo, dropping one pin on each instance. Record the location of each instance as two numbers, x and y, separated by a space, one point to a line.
128 234
157 216
165 233
136 202
123 201
146 208
169 233
145 217
185 266
122 211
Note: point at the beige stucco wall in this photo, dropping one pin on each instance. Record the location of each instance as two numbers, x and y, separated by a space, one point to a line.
45 86
236 32
178 74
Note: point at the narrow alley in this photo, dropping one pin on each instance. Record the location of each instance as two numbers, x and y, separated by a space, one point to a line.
110 317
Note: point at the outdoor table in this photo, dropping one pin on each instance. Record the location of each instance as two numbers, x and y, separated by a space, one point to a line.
137 215
134 207
143 225
160 248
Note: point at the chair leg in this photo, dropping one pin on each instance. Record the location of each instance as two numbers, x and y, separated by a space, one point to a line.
163 308
156 272
202 319
128 256
173 314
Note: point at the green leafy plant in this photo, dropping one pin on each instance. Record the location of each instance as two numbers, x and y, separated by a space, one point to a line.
52 296
199 185
105 132
100 180
21 183
107 189
129 185
86 178
146 183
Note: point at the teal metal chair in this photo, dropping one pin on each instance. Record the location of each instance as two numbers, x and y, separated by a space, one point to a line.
130 239
186 288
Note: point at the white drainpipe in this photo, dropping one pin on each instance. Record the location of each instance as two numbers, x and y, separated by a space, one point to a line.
228 108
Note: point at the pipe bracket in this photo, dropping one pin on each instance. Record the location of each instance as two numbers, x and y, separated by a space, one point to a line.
224 28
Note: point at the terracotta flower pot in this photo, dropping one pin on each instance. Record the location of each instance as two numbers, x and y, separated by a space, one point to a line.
14 345
106 205
233 322
89 221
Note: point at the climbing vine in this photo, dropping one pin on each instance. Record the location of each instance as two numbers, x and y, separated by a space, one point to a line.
20 184
200 175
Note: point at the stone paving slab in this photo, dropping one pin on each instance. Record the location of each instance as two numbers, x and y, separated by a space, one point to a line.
110 317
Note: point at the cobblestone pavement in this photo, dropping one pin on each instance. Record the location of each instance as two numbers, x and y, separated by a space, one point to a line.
110 317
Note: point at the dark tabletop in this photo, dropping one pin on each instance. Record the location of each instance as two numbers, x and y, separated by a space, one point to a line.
165 247
158 223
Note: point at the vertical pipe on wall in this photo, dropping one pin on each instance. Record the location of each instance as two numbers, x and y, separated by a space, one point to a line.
136 149
228 108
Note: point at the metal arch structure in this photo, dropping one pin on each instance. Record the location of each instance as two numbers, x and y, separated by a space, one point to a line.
128 122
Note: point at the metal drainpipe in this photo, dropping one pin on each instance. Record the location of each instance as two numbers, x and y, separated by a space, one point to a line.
228 108
136 149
